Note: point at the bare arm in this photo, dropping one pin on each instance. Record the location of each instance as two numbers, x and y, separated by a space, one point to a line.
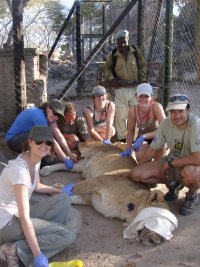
21 193
159 115
110 120
131 126
60 143
45 189
89 119
148 156
192 159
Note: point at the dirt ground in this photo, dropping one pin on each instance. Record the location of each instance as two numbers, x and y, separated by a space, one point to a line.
100 242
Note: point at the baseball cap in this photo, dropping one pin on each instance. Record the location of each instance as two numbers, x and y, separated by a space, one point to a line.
57 106
41 133
98 91
177 101
144 89
122 34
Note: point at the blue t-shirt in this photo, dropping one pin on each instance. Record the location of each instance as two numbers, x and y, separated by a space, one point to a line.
25 121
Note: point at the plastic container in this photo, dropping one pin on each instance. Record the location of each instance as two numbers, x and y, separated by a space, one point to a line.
73 263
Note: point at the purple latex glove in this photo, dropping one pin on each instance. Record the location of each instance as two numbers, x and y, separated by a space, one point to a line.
138 142
125 153
69 164
41 261
68 189
107 142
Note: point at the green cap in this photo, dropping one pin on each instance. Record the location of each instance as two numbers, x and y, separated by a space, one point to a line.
41 133
57 106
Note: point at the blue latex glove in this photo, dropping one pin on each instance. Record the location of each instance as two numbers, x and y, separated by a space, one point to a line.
137 144
68 189
107 142
41 261
69 164
125 153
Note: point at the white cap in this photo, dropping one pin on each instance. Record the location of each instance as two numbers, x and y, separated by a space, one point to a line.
144 89
177 101
122 34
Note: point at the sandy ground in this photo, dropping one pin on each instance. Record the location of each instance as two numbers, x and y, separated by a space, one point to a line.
100 242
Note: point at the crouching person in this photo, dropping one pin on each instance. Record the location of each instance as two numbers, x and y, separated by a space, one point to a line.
32 232
181 132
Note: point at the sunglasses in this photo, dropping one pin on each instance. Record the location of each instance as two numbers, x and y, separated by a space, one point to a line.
48 143
55 114
178 97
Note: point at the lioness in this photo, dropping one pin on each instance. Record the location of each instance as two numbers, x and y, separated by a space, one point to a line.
108 190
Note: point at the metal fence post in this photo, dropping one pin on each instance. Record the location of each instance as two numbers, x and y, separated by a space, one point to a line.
18 55
168 51
79 88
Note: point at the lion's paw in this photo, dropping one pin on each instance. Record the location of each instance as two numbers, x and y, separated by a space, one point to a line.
46 170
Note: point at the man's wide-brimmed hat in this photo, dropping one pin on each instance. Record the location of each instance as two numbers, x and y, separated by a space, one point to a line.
177 101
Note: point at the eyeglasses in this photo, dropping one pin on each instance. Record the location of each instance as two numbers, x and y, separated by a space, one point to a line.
178 97
48 143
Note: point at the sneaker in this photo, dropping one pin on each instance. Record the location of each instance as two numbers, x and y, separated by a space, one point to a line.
189 204
10 253
173 192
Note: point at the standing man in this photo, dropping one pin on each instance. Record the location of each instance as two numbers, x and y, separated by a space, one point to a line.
125 68
181 132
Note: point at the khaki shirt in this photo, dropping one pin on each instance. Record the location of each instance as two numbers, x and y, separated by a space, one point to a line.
182 142
126 69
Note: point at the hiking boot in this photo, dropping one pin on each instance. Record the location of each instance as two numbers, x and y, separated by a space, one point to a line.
173 192
189 204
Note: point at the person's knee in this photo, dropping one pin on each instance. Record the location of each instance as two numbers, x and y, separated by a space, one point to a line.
135 175
191 175
64 199
68 236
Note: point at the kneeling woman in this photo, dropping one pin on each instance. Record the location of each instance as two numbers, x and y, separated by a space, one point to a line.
100 116
32 232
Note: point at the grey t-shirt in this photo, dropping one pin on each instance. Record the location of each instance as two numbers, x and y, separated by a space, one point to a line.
181 142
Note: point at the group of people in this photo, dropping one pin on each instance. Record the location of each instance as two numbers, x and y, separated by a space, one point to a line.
33 232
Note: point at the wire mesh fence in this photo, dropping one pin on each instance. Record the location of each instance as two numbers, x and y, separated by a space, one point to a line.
42 22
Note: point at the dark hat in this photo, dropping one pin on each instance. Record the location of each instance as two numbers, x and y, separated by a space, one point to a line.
57 106
41 133
98 90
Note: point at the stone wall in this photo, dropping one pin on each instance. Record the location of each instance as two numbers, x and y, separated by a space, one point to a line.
36 69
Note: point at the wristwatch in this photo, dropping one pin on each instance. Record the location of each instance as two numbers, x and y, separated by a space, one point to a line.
169 161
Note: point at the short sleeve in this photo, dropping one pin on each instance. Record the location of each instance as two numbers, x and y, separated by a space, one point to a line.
159 140
18 175
195 135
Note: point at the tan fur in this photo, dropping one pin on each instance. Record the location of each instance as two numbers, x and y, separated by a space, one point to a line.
109 191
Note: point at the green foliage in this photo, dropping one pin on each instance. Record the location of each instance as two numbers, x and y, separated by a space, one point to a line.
56 13
4 10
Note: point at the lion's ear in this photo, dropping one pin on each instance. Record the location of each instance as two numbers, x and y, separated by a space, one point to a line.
156 196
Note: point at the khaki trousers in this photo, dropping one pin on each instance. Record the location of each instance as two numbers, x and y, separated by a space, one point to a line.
124 98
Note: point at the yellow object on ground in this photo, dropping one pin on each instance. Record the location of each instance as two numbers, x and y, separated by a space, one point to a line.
73 263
